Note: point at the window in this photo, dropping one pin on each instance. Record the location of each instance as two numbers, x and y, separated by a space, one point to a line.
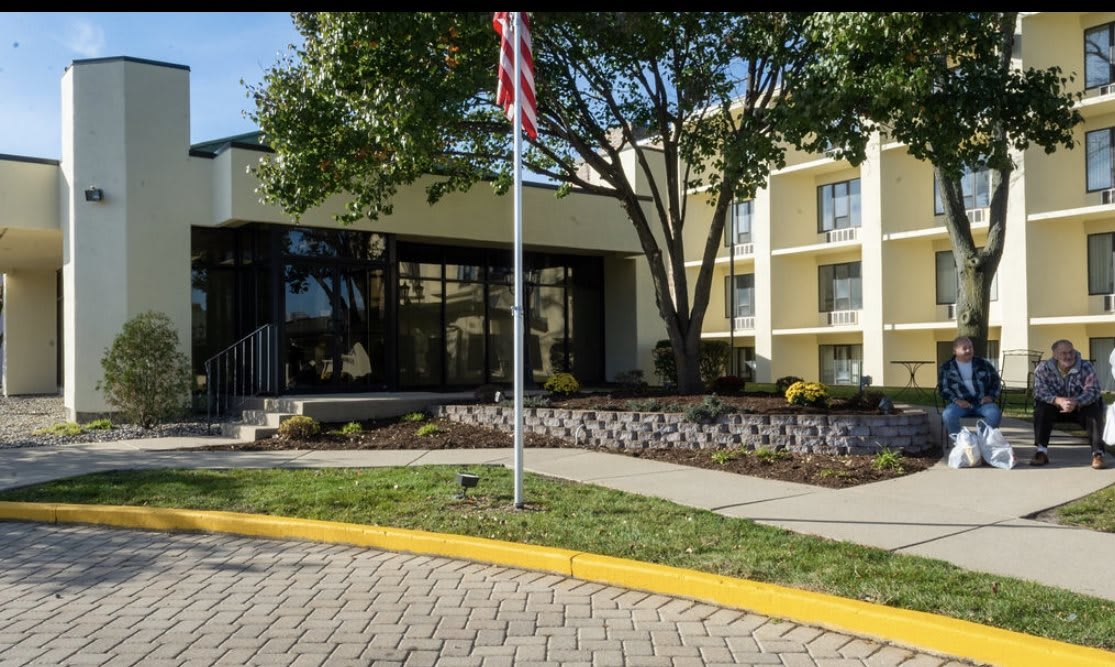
1101 263
745 363
839 287
744 295
738 227
841 364
1099 44
1099 152
975 184
838 206
948 280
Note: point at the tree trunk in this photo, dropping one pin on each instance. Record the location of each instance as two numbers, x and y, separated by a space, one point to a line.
973 299
687 357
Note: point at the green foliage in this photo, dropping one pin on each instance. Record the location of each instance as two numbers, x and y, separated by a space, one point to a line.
536 402
343 114
943 85
888 459
427 430
712 359
99 425
648 405
352 428
723 456
812 394
562 384
665 366
783 383
61 429
727 384
299 427
146 377
707 410
632 381
413 417
768 455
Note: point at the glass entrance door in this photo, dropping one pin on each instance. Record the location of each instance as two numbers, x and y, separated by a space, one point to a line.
333 327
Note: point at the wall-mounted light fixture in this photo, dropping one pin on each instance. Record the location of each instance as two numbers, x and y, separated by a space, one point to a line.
94 194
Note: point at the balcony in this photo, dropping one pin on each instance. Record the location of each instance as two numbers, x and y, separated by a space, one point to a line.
744 323
840 317
842 235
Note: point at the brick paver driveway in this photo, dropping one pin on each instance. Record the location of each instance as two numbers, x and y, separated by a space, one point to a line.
90 595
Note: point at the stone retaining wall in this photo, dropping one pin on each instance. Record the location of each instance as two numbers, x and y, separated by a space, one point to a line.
829 434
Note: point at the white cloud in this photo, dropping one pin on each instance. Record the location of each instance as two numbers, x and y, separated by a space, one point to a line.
84 38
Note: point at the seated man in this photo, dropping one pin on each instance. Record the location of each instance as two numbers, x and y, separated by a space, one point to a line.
1066 387
970 386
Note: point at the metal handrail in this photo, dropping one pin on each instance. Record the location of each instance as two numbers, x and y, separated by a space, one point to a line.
239 372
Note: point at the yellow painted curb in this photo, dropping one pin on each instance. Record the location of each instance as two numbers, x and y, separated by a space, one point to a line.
930 632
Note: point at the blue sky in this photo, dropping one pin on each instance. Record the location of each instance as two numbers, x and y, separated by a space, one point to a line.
220 48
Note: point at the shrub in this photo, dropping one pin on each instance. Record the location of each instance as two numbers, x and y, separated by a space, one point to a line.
536 402
808 393
649 405
727 384
299 427
563 384
888 458
783 383
352 428
707 410
712 359
146 377
427 430
99 425
631 381
865 400
413 417
768 455
60 429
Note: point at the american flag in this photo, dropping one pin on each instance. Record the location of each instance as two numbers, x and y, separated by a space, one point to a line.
505 93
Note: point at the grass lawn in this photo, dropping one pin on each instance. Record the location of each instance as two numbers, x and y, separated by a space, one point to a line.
603 521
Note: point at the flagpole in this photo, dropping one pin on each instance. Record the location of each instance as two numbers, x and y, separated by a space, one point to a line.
517 310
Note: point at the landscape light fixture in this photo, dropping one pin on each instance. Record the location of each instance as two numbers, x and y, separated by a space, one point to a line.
94 194
467 481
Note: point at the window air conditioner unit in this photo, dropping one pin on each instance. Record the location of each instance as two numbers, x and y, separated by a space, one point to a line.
1109 303
977 216
838 235
843 317
744 322
744 249
1107 196
950 311
1106 90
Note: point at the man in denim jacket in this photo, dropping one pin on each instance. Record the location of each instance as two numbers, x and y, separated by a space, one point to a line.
1066 387
970 386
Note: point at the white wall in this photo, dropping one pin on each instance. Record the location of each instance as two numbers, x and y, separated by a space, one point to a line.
30 326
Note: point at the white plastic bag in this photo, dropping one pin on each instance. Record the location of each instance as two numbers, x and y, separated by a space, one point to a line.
965 449
1109 424
994 447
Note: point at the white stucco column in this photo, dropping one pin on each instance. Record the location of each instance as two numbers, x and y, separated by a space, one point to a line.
871 267
761 222
30 332
125 132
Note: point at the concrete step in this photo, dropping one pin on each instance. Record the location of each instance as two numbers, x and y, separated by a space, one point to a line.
248 432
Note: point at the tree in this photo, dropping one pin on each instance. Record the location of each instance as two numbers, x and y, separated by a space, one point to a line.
372 102
942 83
146 377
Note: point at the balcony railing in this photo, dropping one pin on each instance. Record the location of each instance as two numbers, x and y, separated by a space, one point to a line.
838 317
744 322
838 235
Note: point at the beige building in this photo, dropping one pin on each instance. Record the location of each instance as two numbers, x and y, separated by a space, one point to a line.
843 271
837 271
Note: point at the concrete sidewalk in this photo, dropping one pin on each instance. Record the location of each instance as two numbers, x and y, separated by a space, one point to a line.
974 518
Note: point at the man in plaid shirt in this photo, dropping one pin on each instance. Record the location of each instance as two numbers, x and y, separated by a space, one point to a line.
1066 388
970 386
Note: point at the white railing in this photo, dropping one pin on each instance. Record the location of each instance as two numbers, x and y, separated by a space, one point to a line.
744 249
836 317
838 235
744 322
978 216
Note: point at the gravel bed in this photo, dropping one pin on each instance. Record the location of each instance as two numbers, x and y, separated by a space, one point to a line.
21 416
